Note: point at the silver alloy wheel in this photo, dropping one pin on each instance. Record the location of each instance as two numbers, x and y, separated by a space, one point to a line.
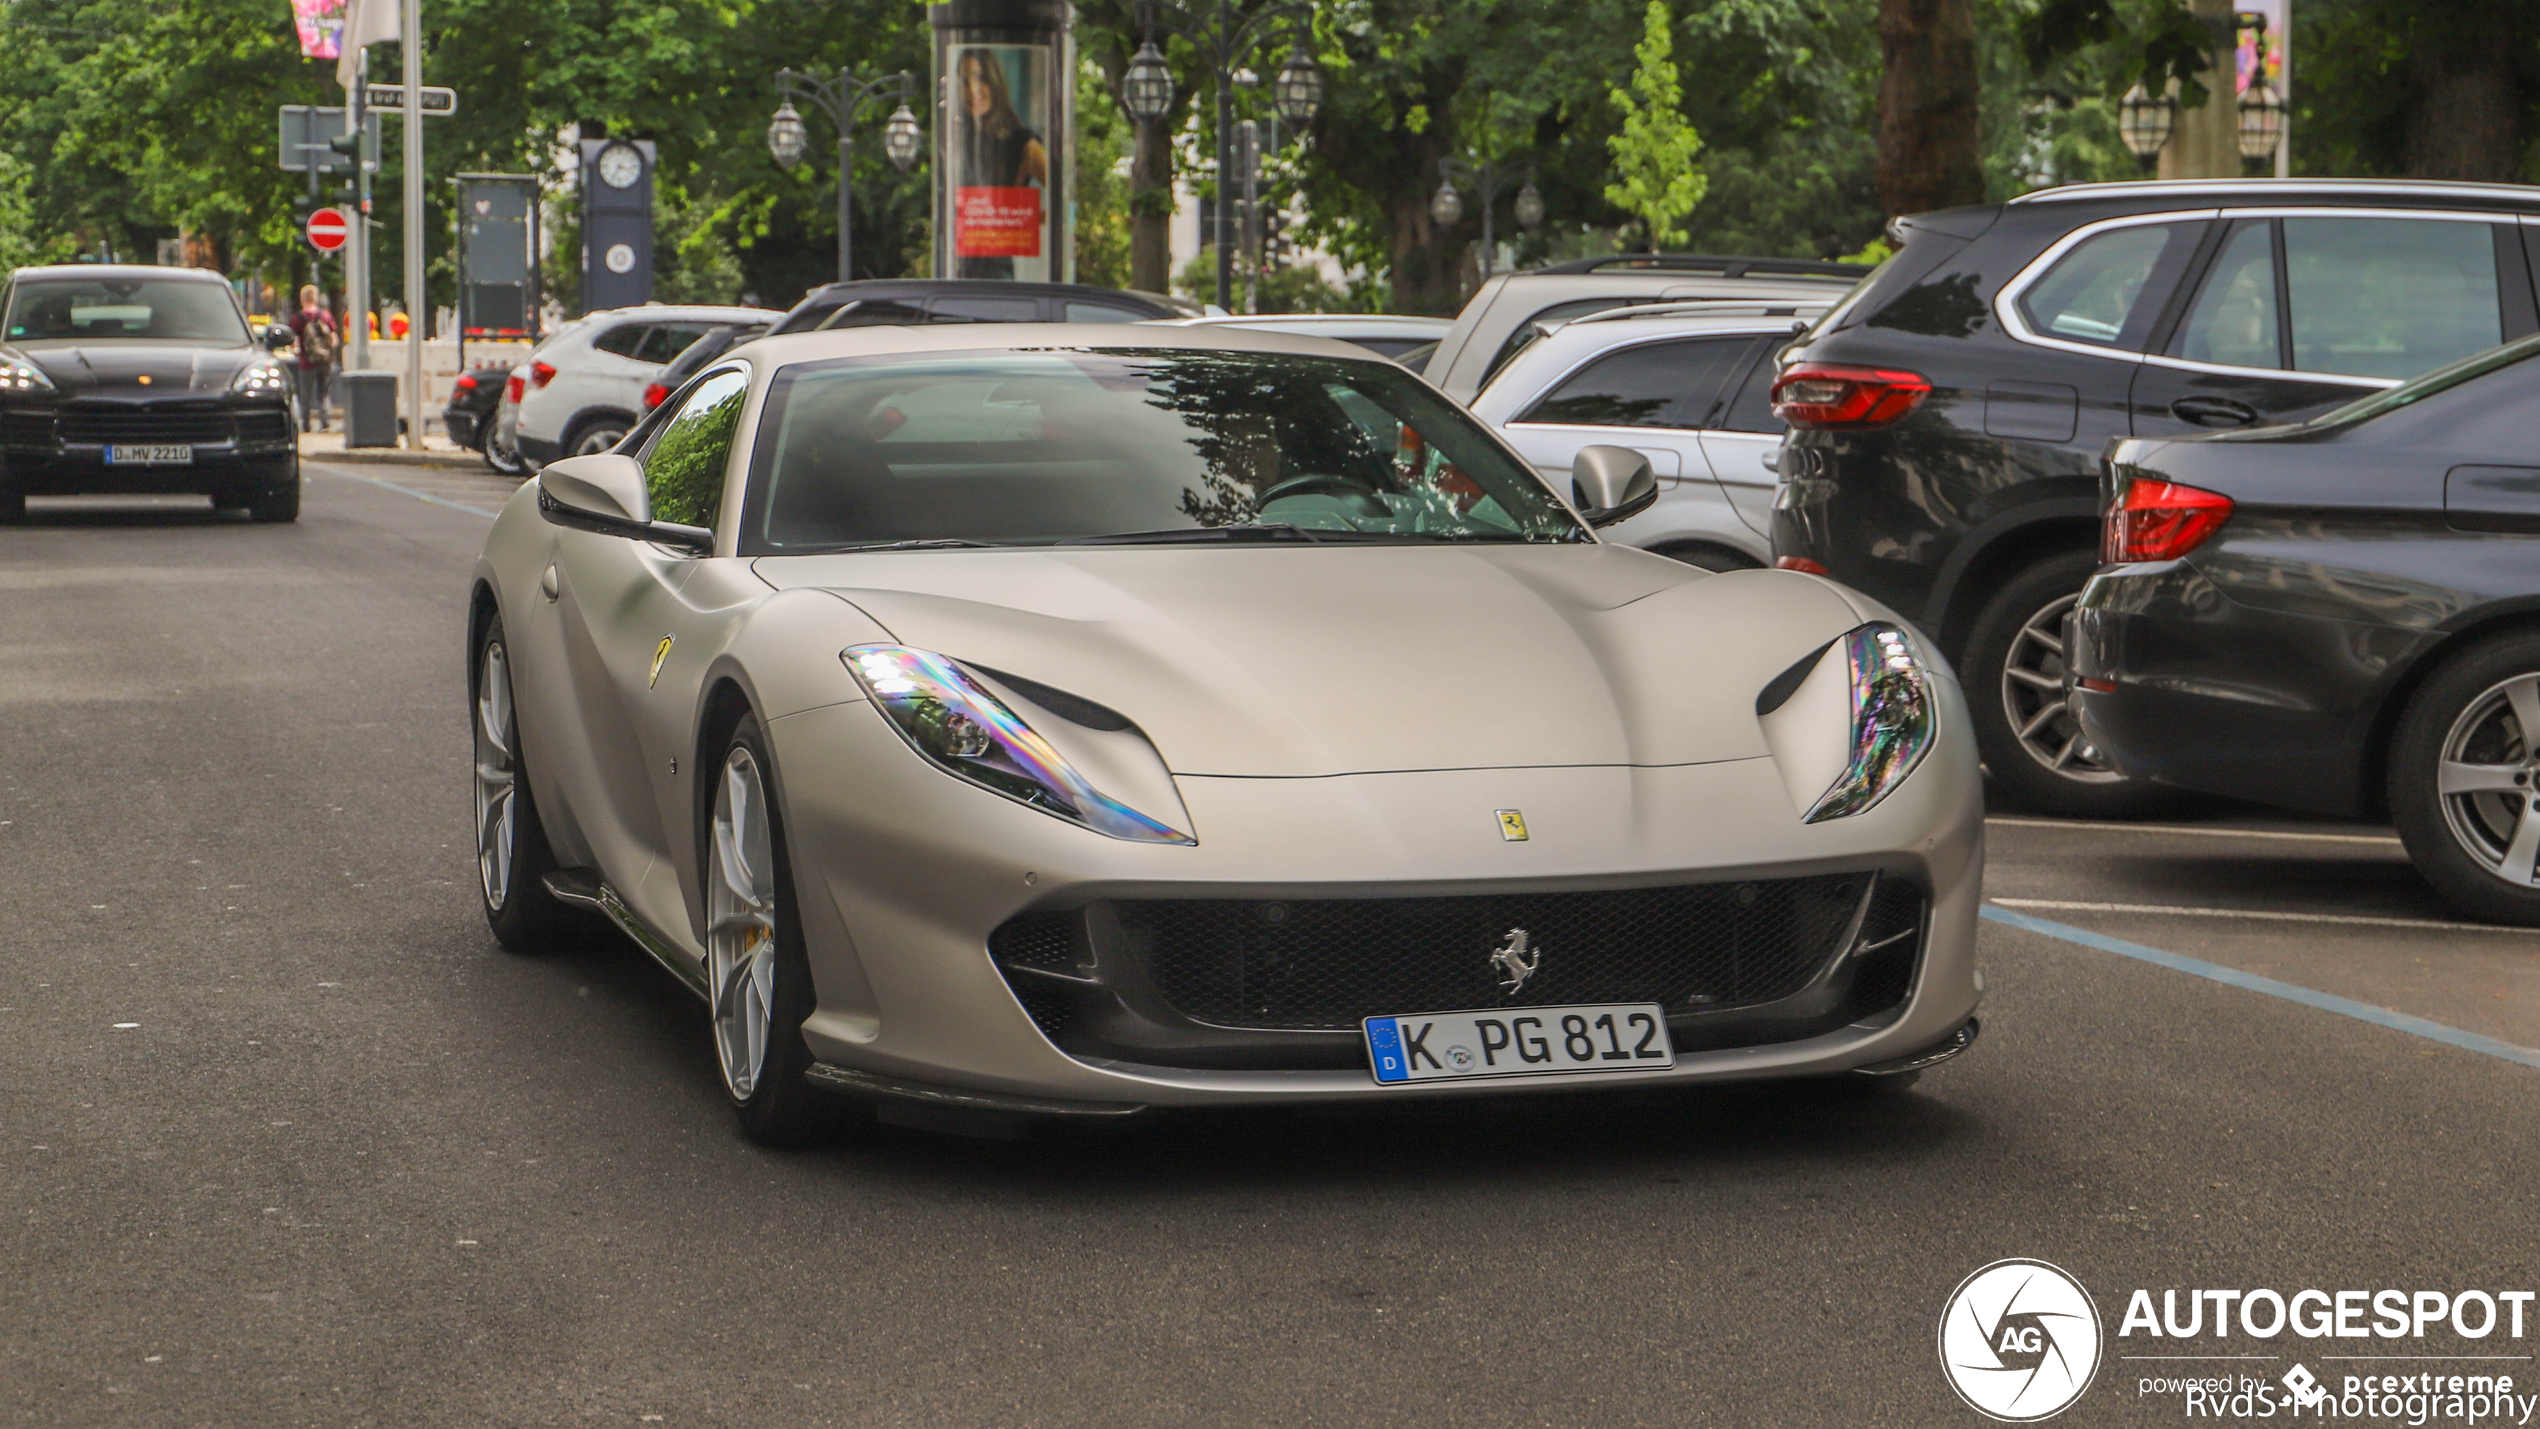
741 924
2038 706
2485 780
497 776
598 440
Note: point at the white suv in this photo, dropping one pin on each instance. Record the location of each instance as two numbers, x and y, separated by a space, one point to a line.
586 388
1689 385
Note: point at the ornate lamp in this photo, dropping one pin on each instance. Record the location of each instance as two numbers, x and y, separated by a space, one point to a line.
786 138
2144 120
1147 89
901 139
1298 91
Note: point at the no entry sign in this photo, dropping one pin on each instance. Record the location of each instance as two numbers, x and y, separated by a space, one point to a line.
328 229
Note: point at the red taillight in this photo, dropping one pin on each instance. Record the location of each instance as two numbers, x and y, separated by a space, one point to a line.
1801 563
541 373
466 382
2161 521
511 389
1816 395
653 395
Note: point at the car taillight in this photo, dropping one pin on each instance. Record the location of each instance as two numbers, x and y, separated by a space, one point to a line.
653 395
541 373
511 389
1801 563
466 382
2161 521
1816 395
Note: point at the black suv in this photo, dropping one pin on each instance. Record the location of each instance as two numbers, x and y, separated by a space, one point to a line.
1948 417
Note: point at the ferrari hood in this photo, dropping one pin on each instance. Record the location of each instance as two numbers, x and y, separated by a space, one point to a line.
119 369
1302 662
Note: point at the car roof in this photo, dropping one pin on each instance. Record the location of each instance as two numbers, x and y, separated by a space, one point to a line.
119 270
687 312
799 347
1397 324
2240 191
1720 264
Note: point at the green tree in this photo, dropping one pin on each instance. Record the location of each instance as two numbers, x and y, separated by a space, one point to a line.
1655 179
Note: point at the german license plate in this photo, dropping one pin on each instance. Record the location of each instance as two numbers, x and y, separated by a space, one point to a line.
1519 1042
162 455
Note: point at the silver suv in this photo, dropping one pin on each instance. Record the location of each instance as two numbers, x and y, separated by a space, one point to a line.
1689 385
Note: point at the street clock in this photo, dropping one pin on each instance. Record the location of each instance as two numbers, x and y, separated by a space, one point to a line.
620 165
617 223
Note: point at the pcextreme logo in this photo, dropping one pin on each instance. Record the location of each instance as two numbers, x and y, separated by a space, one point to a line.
2019 1341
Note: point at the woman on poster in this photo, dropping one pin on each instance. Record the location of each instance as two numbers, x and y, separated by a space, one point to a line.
996 149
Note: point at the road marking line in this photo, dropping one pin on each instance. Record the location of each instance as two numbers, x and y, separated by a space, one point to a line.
2252 982
2387 840
410 491
2056 905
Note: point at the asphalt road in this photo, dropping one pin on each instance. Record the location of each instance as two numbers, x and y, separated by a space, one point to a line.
286 1140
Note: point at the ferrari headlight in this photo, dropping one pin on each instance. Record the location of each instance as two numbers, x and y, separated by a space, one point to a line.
960 727
261 379
19 375
1891 720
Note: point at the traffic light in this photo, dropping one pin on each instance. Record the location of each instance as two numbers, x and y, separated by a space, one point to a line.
348 145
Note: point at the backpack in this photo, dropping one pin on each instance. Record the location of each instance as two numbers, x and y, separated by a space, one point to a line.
317 341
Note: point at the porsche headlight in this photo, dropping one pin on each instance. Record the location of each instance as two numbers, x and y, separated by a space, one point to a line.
1891 720
261 379
21 376
960 727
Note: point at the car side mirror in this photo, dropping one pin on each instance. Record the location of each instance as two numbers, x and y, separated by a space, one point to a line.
605 493
1611 484
277 336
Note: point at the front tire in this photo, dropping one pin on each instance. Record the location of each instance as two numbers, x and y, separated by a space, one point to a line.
497 456
758 974
2463 771
279 502
594 436
512 856
2013 669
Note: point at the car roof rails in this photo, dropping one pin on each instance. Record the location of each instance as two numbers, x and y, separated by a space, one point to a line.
1703 308
1726 266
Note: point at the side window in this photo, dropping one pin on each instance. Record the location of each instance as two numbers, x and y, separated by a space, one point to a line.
668 340
1751 410
2390 297
875 312
2092 291
624 339
684 469
1101 313
1659 384
984 310
2234 320
1527 332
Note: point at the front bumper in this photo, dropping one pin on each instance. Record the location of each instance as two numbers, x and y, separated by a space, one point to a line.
60 449
900 910
2202 691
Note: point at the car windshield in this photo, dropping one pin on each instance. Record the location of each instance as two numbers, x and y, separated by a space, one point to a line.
122 310
1047 445
2417 389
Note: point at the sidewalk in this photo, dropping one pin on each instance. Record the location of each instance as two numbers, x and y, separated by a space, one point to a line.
437 452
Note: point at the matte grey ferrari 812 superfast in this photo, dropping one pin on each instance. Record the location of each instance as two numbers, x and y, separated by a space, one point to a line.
993 720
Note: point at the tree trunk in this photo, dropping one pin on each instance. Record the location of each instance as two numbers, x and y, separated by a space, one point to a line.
2206 142
2464 118
1151 208
1929 151
1424 279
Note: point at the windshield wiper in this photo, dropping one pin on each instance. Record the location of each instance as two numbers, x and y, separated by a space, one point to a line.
1247 531
937 543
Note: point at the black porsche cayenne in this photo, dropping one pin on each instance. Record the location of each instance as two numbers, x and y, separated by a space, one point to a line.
140 380
2342 616
1948 418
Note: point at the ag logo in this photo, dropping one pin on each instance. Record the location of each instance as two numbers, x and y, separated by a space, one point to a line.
2019 1340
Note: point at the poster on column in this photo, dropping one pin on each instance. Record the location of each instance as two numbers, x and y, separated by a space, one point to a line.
321 27
1001 161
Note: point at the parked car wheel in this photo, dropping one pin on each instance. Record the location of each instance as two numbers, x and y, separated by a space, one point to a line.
757 973
594 435
512 857
2013 667
279 502
497 456
2463 771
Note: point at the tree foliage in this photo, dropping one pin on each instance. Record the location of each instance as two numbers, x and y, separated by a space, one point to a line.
1654 176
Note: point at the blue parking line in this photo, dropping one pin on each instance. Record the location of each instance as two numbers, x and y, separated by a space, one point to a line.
410 491
2308 997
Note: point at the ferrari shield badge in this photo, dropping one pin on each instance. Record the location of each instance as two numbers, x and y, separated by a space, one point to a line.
661 652
1512 825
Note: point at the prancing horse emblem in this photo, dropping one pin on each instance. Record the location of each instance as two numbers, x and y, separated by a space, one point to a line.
1516 961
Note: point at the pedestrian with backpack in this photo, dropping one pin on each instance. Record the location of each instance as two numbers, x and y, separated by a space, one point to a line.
314 328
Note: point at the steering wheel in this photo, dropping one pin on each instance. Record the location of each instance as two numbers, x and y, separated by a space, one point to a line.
1342 486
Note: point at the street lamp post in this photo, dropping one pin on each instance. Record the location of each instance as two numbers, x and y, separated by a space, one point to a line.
842 99
1223 36
1494 176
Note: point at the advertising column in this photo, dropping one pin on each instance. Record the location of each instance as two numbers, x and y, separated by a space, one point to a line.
1004 74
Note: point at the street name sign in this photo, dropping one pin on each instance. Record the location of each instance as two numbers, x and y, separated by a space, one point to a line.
392 97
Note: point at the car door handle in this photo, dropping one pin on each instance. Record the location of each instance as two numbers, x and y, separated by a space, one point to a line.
1772 460
2213 411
